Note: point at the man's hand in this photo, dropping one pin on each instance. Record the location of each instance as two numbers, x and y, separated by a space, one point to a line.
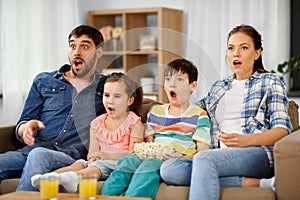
27 131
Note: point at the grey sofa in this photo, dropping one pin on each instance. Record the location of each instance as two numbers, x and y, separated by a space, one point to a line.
287 169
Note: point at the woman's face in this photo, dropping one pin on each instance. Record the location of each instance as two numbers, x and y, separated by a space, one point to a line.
241 55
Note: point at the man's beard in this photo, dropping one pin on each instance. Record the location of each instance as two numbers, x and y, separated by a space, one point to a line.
86 68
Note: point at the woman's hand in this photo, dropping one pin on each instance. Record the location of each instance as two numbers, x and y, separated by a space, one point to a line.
234 139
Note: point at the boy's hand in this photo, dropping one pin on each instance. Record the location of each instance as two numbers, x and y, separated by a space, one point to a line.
28 130
173 155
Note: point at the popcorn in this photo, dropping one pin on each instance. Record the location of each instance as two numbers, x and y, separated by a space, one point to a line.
147 150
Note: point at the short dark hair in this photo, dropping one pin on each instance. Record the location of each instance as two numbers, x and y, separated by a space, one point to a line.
184 66
90 31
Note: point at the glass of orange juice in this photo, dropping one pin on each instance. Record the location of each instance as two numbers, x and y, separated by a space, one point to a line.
49 188
87 186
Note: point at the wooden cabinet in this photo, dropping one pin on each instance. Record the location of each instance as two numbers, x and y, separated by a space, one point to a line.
124 52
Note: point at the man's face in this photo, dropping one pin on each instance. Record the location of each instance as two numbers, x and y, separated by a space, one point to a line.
83 56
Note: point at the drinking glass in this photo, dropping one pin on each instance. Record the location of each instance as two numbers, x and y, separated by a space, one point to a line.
49 188
87 186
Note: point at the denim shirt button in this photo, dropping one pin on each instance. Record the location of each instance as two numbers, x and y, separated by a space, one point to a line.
55 143
71 116
65 131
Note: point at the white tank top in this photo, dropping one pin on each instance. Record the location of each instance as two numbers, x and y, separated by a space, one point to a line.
228 111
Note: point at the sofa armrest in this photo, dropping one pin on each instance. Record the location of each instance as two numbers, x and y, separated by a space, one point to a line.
7 139
287 166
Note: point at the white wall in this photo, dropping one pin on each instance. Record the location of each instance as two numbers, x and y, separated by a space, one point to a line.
81 13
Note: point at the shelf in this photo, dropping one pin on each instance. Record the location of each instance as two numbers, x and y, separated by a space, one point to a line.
139 52
163 24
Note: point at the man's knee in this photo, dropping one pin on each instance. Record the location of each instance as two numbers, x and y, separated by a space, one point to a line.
39 153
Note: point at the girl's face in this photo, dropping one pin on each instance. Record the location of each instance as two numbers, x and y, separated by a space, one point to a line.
116 100
241 55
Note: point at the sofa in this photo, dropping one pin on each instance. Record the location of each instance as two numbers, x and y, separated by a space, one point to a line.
287 168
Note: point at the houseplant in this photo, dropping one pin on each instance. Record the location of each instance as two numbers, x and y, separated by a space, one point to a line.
292 64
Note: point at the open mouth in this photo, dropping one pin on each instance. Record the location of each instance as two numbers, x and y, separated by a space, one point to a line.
78 62
236 62
173 94
111 109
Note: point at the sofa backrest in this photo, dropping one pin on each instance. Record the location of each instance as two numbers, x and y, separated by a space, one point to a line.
294 114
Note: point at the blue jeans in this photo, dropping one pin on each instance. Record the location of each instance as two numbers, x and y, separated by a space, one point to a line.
182 167
39 161
211 165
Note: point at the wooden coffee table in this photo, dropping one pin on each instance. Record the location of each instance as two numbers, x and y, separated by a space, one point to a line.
61 196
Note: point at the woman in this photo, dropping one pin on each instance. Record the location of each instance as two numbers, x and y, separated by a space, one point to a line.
249 114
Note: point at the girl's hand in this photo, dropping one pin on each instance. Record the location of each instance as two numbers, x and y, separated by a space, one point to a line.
234 139
173 155
92 159
94 155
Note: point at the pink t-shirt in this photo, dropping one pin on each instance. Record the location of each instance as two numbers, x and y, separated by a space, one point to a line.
114 141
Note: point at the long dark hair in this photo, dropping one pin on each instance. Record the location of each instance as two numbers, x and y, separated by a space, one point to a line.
256 37
132 89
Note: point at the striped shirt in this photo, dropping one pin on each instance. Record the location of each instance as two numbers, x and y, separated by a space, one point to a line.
264 106
181 132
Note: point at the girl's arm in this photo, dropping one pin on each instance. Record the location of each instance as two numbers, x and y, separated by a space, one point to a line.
93 146
137 135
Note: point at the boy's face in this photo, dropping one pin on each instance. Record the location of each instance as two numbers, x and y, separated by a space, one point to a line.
178 88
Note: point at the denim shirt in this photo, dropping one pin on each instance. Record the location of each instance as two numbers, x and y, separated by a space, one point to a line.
264 106
65 113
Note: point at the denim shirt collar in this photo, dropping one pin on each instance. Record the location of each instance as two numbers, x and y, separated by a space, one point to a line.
65 68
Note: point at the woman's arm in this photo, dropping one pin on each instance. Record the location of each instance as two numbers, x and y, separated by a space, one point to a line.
267 138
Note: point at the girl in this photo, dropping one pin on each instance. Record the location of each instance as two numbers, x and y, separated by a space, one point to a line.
112 135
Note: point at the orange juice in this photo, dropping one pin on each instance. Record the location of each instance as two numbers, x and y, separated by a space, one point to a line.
49 188
87 188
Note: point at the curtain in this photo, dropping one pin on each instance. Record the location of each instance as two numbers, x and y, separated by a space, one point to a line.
209 21
33 39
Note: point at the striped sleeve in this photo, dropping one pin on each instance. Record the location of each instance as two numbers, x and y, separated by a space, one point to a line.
202 132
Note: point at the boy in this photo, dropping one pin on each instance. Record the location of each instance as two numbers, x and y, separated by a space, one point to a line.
178 124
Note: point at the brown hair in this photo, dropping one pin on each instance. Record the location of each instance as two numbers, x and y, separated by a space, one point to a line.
90 31
132 90
184 66
256 38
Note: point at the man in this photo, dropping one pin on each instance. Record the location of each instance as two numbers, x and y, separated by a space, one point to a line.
54 125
